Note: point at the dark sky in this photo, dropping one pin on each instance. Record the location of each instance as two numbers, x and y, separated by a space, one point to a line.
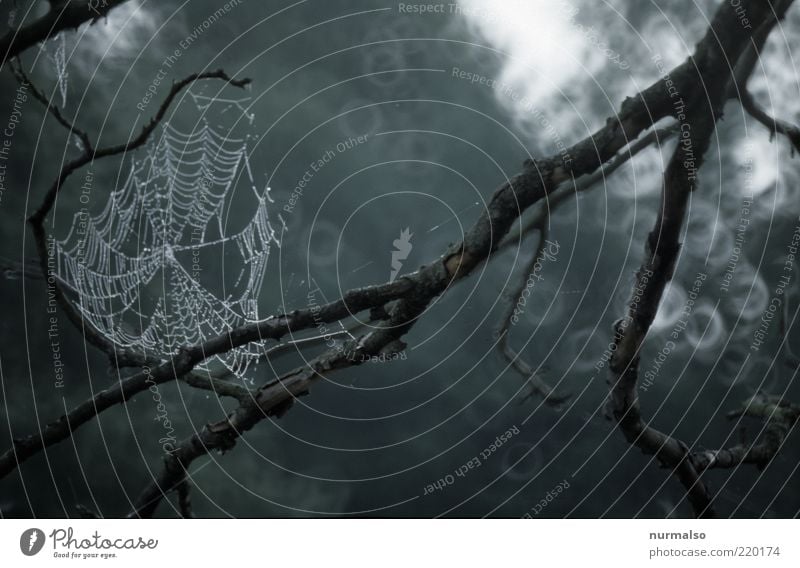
409 121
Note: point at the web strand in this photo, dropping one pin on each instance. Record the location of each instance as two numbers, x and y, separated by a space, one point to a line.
134 269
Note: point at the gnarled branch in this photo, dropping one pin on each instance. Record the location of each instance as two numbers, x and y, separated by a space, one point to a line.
779 416
774 125
406 299
661 253
62 16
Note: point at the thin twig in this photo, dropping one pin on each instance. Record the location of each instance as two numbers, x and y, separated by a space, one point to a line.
538 385
216 381
90 155
61 17
205 381
779 416
661 253
274 399
55 112
411 294
179 365
774 125
585 183
539 221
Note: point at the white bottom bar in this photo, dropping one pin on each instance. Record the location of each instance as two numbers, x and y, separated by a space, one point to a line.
372 543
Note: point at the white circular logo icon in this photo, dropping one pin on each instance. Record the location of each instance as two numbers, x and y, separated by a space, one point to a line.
31 541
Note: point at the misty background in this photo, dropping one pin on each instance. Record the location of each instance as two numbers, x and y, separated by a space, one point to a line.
447 105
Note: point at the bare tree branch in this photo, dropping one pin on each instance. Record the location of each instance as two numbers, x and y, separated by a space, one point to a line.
90 155
537 385
62 16
780 418
587 182
118 356
274 399
774 125
540 177
62 428
540 222
183 363
661 253
744 69
701 80
206 381
747 62
216 382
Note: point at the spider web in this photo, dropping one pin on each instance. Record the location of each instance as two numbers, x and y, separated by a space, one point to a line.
156 269
59 60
